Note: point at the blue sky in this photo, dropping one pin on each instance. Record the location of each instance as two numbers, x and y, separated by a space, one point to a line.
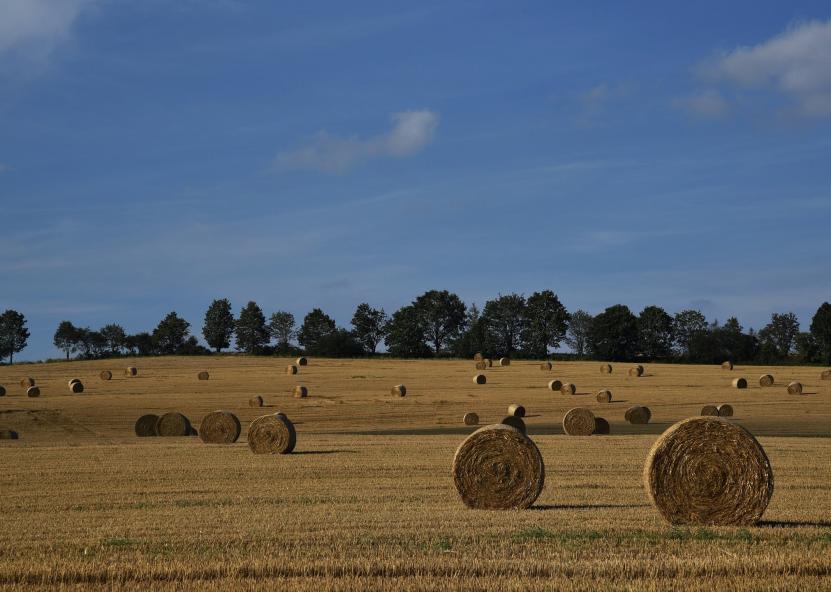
156 155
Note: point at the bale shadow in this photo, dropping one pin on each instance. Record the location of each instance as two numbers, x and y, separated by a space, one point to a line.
794 524
325 452
546 507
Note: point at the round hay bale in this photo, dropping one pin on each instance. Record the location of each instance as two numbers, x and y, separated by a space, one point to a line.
728 365
2 391
478 357
399 390
795 388
578 422
638 414
708 471
131 371
514 422
471 418
504 362
105 375
555 385
33 391
291 369
301 361
516 410
203 375
488 362
300 392
8 435
497 467
826 375
272 434
740 383
605 368
636 370
604 396
481 365
766 380
546 366
255 401
76 387
480 379
601 426
173 424
73 380
146 425
709 411
219 427
27 382
568 389
725 410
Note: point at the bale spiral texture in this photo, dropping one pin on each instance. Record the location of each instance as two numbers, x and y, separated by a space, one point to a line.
27 382
301 361
638 414
481 365
504 362
256 401
555 385
33 391
709 411
73 380
105 375
516 410
601 426
604 396
740 383
131 371
568 389
578 422
514 422
76 387
8 435
203 375
795 388
300 392
479 379
272 434
146 425
766 380
707 471
605 368
399 390
220 427
725 410
546 366
291 369
497 467
173 424
727 365
471 418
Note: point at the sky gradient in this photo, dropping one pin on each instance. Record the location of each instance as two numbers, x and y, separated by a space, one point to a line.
156 155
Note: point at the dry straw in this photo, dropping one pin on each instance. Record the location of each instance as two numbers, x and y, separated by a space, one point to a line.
76 387
504 362
795 388
638 414
272 434
220 427
301 361
555 385
636 370
497 467
291 369
605 368
766 380
740 383
514 422
826 375
708 471
256 401
8 435
481 365
300 392
203 375
146 425
727 365
105 375
27 382
709 410
471 418
601 426
399 390
33 391
604 396
578 422
173 424
131 371
516 410
725 410
480 379
488 362
546 366
568 389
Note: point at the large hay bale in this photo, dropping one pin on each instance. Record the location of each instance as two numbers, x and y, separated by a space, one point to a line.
256 401
76 387
481 365
515 422
725 410
33 391
173 423
27 382
471 418
638 414
105 375
272 434
795 388
301 361
219 427
73 380
766 380
516 410
605 368
478 357
504 362
480 379
131 371
825 375
399 390
300 392
2 391
497 467
709 411
578 422
601 426
728 365
604 396
203 375
708 471
546 366
740 383
8 435
636 370
291 369
568 389
555 385
146 425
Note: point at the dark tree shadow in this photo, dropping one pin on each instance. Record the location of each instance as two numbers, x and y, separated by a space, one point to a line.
794 524
325 452
546 507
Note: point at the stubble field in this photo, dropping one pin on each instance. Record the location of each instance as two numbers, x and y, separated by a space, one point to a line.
367 498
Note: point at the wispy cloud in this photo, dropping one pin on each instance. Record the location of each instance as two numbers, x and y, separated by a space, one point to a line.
594 101
3 168
411 131
706 104
32 29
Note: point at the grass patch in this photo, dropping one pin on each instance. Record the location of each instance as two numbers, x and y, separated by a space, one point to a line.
119 543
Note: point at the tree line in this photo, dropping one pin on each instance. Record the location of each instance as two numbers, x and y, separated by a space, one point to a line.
439 324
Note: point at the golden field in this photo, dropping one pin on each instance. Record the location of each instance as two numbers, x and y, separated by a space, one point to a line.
367 498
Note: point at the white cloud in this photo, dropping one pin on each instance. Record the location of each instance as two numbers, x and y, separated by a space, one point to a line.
33 28
708 104
3 168
795 64
411 131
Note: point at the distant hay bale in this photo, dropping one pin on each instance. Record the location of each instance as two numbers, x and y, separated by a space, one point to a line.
826 375
105 375
578 422
73 380
131 371
766 380
481 365
740 383
488 362
601 426
504 362
638 414
604 396
399 390
516 410
76 387
708 471
173 424
605 368
546 366
497 467
291 369
27 382
255 401
709 411
568 389
480 379
33 391
2 391
478 357
219 427
725 410
272 434
301 361
300 392
555 385
146 425
515 422
471 418
728 365
636 370
8 435
203 375
795 388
